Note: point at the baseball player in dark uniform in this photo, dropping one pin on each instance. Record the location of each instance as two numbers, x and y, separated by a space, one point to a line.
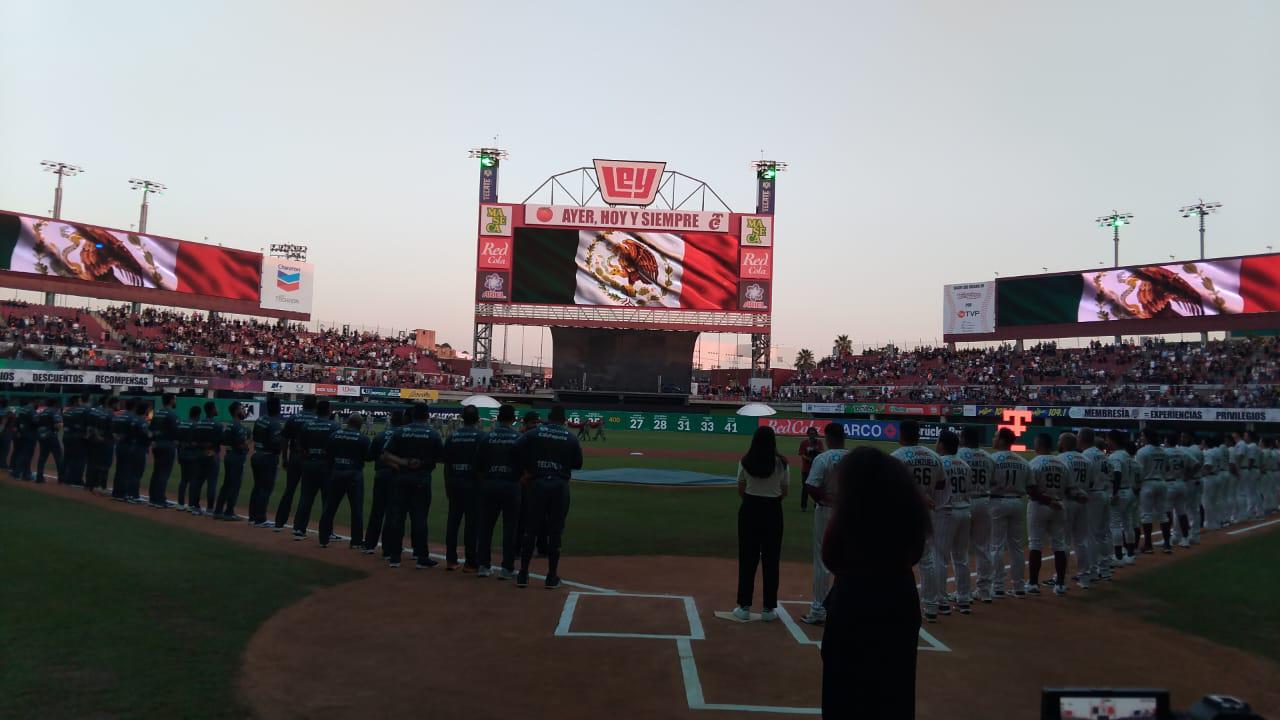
293 457
48 425
460 451
164 428
348 450
188 454
6 432
383 477
101 446
265 463
499 493
74 428
24 440
139 443
529 422
235 438
121 425
413 450
313 437
208 439
549 454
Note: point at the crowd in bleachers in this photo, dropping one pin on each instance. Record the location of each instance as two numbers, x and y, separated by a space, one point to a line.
1243 371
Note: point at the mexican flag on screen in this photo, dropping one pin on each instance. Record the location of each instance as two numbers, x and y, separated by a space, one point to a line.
1192 289
696 271
43 246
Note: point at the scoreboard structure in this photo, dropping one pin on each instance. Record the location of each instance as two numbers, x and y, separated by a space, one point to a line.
627 262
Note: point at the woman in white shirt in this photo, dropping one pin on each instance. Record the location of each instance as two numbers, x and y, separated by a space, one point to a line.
762 484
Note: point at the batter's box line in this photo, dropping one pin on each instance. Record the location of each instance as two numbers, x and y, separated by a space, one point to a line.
932 644
571 606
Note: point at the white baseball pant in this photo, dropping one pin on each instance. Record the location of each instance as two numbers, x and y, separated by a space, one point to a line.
930 592
821 576
1249 505
1008 529
952 530
1078 535
1151 501
980 543
1046 525
1214 500
1123 527
1099 511
1195 500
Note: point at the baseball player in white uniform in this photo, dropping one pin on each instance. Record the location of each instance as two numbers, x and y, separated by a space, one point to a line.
1076 500
1216 471
926 467
1195 486
952 521
1046 516
1121 471
821 486
1177 468
1099 491
981 472
1151 495
1247 506
1270 476
1008 514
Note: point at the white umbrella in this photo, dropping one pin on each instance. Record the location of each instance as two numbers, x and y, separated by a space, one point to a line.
756 410
481 401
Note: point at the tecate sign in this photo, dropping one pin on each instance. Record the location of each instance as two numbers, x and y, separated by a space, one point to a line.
628 182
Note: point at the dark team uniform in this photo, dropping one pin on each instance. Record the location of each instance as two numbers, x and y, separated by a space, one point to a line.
102 447
235 437
411 492
265 464
460 454
383 476
164 430
48 422
292 434
499 494
549 454
75 443
314 439
121 423
139 443
207 436
188 452
348 450
24 441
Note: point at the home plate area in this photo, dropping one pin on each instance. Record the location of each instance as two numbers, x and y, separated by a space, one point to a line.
735 668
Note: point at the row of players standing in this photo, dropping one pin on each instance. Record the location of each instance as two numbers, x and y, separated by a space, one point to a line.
521 478
1098 496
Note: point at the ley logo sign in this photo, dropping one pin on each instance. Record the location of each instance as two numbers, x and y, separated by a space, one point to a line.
627 182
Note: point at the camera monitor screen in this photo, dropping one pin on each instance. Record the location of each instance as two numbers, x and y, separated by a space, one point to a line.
1108 708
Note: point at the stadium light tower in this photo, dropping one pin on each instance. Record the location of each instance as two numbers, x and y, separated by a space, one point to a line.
62 170
1200 209
147 187
1114 221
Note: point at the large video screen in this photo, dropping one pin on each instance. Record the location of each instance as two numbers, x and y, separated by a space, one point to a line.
1186 291
60 249
624 268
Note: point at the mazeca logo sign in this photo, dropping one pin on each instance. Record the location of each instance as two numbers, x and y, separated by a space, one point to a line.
627 182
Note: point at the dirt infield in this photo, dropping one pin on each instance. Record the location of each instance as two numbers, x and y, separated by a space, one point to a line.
405 642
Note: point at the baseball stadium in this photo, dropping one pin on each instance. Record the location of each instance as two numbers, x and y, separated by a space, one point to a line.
232 487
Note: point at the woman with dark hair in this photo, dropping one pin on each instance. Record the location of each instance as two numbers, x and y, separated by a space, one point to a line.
762 484
877 534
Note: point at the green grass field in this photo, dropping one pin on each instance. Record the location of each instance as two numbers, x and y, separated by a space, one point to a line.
1227 595
106 616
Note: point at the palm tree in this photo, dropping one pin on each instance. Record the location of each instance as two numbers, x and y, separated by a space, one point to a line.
844 346
804 360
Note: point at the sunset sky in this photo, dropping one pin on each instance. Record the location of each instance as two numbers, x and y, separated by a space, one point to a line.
929 142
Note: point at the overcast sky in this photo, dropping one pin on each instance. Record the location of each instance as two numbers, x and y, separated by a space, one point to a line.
929 142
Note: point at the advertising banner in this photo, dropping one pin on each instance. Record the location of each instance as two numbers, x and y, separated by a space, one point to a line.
626 219
43 246
236 384
823 408
493 286
1032 411
756 231
292 388
287 285
756 263
349 391
853 429
380 392
495 220
969 308
766 196
1268 415
754 296
77 377
419 394
628 182
1191 289
494 253
323 389
489 184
